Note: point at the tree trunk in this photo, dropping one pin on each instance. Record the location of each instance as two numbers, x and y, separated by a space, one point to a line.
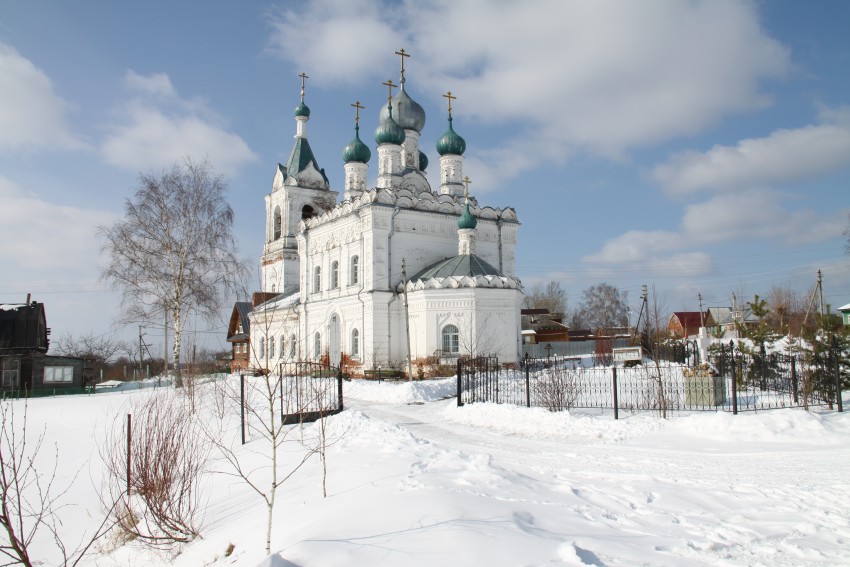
178 328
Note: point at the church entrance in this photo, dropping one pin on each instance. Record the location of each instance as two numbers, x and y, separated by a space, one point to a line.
334 346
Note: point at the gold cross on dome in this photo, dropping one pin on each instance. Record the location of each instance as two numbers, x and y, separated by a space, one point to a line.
358 107
390 86
401 53
450 96
466 182
303 78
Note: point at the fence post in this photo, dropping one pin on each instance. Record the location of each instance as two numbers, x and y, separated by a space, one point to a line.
129 438
616 402
339 387
734 380
242 404
794 390
838 401
459 402
527 387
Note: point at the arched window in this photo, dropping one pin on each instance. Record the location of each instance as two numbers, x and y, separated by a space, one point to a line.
354 273
262 348
355 343
293 346
317 279
334 274
276 223
451 342
282 350
307 212
271 346
317 346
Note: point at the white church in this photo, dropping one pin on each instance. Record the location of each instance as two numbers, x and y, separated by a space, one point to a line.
394 271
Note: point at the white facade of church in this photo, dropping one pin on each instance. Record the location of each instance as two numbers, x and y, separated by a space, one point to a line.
343 269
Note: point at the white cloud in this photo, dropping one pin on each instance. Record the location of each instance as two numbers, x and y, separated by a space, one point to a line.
785 156
601 76
32 115
747 215
46 240
157 127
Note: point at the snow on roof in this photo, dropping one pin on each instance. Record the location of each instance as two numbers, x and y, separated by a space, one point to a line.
11 306
844 307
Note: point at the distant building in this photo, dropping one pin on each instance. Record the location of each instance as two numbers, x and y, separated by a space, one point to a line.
25 365
540 326
845 314
685 324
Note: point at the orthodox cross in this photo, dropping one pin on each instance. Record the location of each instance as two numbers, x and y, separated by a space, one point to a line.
390 86
449 96
403 55
358 107
466 182
303 78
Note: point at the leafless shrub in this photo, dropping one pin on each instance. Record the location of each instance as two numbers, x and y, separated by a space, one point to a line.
556 389
167 456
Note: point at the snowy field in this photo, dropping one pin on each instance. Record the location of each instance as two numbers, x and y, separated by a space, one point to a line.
415 480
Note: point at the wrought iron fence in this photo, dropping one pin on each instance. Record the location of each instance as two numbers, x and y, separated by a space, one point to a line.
735 381
309 391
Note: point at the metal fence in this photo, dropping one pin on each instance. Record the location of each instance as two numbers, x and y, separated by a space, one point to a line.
737 382
309 391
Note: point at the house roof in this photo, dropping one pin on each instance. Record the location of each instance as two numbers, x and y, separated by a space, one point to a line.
241 312
844 307
690 318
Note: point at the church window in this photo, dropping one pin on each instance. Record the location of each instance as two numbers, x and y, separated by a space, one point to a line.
451 342
317 279
354 278
271 346
262 348
334 274
355 343
307 212
282 346
276 223
317 346
293 346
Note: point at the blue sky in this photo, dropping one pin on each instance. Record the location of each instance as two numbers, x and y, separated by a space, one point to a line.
698 147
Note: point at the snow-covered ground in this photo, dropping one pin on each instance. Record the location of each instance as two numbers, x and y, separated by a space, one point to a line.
415 480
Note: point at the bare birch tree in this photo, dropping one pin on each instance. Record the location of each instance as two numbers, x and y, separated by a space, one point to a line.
174 251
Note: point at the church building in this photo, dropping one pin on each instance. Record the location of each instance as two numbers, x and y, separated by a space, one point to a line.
393 271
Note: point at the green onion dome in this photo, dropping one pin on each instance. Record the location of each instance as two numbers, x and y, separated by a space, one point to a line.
356 150
407 112
466 219
451 142
389 132
423 161
302 110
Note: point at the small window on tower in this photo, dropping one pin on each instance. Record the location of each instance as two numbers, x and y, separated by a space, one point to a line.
317 279
354 277
276 223
307 212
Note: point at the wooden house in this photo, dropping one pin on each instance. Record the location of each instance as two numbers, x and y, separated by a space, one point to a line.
685 324
25 366
239 336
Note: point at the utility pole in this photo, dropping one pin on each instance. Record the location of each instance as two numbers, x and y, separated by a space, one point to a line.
141 352
406 317
701 319
820 291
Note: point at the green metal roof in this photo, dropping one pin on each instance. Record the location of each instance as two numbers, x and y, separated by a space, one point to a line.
301 155
356 150
423 161
389 132
302 110
467 220
451 142
458 266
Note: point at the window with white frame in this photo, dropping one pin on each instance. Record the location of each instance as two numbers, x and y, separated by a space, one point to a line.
293 346
271 346
58 374
317 346
282 350
262 347
317 279
11 371
354 271
334 274
451 340
355 343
